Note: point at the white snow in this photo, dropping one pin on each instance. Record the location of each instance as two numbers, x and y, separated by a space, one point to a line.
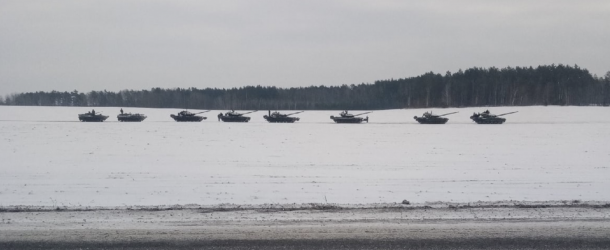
48 158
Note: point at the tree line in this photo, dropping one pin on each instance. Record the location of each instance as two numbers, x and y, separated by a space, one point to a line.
519 86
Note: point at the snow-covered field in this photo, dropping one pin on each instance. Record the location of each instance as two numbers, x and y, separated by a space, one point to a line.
48 158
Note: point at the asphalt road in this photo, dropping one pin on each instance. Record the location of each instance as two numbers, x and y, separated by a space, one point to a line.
472 243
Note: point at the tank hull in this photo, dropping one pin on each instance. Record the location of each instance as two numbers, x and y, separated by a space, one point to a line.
194 118
92 118
439 120
131 118
349 119
496 120
281 119
235 119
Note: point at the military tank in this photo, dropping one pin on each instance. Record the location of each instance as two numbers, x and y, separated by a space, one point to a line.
487 118
186 116
233 116
346 117
429 118
92 116
129 117
277 117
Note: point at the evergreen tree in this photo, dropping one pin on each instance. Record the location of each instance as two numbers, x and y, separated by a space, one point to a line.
543 85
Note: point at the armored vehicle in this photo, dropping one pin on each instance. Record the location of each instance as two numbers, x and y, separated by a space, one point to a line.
129 117
233 116
349 118
186 116
429 118
283 118
91 116
488 118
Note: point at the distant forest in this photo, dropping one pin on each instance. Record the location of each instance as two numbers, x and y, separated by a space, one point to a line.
520 86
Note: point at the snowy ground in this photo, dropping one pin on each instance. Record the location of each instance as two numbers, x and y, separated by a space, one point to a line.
48 158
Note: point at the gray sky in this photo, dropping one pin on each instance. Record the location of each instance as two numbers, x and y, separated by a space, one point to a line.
119 44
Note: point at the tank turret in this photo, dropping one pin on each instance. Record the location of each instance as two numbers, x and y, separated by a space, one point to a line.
186 116
429 118
486 117
233 116
277 117
346 117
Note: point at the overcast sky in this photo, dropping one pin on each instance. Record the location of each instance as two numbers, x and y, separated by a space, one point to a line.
121 44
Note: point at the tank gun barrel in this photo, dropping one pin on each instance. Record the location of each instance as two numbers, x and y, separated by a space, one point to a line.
508 113
202 112
364 113
449 113
295 113
249 112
